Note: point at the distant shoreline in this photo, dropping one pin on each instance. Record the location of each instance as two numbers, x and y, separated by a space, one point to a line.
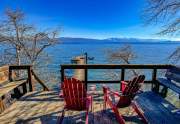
67 40
120 42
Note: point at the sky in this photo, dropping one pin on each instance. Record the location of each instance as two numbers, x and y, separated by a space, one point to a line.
87 18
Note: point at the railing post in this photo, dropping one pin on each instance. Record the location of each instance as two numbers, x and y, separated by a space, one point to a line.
62 74
154 75
86 71
122 76
31 84
154 81
24 88
10 74
86 78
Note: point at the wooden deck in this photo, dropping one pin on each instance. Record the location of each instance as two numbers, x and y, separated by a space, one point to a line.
45 107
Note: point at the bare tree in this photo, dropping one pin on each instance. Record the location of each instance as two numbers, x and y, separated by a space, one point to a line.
25 43
164 12
123 55
175 56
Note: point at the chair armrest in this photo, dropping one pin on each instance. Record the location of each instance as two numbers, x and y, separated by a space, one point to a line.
61 94
115 93
124 82
123 85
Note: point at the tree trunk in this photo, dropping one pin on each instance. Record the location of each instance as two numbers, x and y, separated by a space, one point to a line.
133 71
18 60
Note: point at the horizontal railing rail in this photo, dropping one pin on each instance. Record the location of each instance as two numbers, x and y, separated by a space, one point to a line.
115 66
123 67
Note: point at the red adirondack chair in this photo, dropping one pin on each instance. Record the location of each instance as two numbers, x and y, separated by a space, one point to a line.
125 96
75 97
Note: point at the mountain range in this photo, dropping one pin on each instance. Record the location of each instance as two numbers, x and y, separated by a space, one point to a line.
70 40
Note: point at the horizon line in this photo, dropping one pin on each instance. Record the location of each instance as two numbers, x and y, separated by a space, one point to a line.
140 38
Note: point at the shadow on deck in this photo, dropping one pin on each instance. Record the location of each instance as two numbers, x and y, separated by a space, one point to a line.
45 107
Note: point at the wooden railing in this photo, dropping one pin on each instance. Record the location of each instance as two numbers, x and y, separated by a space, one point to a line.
11 80
123 68
22 67
31 74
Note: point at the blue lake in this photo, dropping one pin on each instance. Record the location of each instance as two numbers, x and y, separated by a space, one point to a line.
146 53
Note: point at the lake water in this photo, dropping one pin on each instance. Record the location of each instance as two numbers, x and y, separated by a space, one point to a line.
147 53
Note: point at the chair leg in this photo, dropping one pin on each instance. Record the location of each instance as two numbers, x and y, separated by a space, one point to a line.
92 110
104 104
118 116
92 105
139 112
60 119
87 117
115 110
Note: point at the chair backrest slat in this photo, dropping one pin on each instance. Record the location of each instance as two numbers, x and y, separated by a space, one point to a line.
74 89
74 93
134 85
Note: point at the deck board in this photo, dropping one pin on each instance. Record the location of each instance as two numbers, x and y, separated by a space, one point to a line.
45 107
